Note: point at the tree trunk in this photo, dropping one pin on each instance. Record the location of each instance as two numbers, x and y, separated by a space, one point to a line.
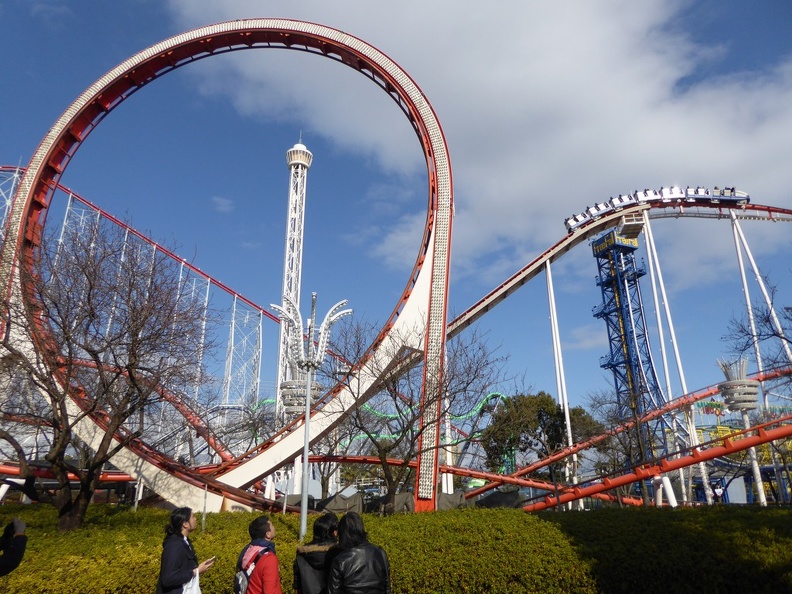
72 514
391 484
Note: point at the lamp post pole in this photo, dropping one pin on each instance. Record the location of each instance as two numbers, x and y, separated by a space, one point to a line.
308 361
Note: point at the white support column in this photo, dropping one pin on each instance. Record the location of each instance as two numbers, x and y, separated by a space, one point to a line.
739 240
571 473
298 474
662 486
757 472
8 184
658 288
197 379
447 479
269 488
229 354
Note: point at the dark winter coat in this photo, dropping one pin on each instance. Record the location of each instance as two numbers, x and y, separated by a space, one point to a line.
177 564
12 554
311 568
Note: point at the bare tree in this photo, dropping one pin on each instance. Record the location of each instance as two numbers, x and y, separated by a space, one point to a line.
766 335
616 451
767 332
391 419
103 328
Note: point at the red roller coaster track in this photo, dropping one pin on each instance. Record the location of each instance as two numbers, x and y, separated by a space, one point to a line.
421 300
56 149
732 444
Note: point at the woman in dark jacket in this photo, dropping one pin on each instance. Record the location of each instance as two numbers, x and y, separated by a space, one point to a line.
359 566
179 563
313 559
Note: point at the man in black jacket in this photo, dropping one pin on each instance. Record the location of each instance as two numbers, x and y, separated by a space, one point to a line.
359 567
13 544
313 559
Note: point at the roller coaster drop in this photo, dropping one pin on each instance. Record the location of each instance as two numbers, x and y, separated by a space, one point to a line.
420 312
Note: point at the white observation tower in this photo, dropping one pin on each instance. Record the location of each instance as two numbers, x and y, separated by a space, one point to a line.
290 387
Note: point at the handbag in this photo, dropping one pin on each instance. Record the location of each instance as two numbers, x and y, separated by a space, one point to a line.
192 587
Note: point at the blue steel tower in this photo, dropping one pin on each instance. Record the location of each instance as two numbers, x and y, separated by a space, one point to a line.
630 358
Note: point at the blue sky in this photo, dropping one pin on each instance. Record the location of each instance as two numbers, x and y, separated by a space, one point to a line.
546 108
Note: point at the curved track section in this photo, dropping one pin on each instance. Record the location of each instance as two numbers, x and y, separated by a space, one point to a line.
657 209
419 313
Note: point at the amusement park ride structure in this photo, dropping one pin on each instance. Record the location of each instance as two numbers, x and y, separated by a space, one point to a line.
289 386
420 312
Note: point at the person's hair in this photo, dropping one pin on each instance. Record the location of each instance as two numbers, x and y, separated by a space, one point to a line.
259 527
324 526
351 532
178 517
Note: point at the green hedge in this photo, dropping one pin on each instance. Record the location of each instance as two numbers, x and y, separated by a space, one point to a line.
719 549
723 548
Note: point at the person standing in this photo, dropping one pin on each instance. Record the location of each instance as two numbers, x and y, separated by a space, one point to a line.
311 564
179 563
264 578
359 567
12 544
718 491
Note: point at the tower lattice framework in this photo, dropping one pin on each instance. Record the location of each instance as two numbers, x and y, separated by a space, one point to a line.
630 357
299 160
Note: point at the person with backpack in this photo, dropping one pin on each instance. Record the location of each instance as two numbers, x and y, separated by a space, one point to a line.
257 570
313 559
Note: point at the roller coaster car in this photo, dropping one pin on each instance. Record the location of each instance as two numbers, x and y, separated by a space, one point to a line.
599 209
646 195
672 194
697 193
622 200
729 195
575 221
666 195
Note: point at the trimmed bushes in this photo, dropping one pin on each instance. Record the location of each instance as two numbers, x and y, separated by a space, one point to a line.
723 548
719 549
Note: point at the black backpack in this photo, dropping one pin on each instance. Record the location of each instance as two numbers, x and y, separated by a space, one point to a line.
242 576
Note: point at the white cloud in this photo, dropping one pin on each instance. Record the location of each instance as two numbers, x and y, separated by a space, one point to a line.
223 205
587 337
546 107
50 11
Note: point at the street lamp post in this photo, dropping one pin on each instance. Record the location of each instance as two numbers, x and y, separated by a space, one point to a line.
308 360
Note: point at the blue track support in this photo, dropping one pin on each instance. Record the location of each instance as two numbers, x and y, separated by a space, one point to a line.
630 358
